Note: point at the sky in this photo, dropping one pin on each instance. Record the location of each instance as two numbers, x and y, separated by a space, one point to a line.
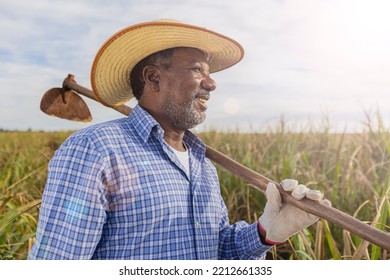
306 62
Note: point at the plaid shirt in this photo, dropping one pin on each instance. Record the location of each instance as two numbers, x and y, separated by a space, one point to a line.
117 191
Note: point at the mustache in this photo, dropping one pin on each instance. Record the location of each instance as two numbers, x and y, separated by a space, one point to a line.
202 94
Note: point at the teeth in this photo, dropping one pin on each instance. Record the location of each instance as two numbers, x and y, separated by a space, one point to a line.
202 100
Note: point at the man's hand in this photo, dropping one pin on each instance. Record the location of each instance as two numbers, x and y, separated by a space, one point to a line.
279 220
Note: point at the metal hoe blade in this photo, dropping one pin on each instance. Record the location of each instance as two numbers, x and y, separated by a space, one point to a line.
65 104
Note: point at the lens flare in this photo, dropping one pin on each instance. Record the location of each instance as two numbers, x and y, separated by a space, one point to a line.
231 106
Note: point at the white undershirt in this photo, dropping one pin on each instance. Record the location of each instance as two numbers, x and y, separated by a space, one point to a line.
184 159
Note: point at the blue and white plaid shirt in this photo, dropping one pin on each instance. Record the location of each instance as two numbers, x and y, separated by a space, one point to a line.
117 191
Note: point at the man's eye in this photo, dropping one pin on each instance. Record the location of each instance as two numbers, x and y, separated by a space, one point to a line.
197 69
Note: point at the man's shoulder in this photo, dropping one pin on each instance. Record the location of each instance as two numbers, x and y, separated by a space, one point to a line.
104 134
104 128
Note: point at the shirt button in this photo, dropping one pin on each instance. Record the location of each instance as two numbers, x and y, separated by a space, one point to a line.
197 224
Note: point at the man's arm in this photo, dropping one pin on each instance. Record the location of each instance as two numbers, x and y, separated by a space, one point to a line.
240 240
72 213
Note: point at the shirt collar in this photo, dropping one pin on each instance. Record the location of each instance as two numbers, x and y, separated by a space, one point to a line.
143 122
193 141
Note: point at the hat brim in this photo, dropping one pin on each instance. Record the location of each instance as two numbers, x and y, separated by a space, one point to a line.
120 53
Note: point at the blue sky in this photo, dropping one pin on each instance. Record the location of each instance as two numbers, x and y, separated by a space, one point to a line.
304 60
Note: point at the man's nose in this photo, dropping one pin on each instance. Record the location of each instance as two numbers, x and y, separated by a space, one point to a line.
208 83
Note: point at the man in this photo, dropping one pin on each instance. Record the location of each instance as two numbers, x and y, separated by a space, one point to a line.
140 187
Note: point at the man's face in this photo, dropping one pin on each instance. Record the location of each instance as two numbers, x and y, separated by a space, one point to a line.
186 86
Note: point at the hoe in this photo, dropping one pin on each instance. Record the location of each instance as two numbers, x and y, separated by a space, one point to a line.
66 103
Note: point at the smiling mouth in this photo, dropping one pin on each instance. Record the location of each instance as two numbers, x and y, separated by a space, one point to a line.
203 101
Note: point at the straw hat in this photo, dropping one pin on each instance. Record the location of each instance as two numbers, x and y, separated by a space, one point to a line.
120 53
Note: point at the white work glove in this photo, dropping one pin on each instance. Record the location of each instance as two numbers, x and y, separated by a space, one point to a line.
280 220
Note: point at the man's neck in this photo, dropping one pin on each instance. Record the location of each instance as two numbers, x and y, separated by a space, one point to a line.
175 140
172 136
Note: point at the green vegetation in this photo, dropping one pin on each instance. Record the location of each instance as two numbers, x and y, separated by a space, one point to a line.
351 169
24 157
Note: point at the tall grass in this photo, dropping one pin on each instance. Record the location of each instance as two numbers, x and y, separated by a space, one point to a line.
23 167
351 169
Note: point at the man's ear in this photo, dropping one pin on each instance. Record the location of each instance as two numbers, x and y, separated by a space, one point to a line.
151 76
